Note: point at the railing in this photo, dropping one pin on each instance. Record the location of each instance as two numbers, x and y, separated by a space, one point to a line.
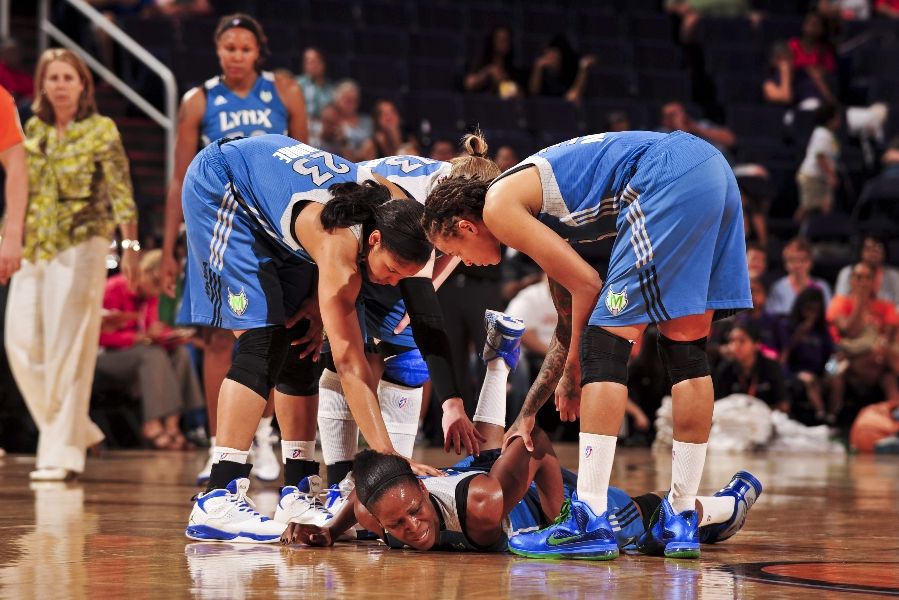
167 120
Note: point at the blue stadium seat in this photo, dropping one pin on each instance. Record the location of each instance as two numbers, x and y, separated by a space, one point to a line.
483 17
657 55
430 74
546 18
442 45
379 72
522 141
650 26
736 87
732 31
445 16
371 42
336 13
611 82
609 52
443 110
598 24
333 41
757 120
385 13
734 58
596 113
663 85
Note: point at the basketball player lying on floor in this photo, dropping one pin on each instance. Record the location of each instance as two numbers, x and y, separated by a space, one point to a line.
483 501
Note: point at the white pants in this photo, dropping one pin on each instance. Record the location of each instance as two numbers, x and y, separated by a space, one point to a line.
52 339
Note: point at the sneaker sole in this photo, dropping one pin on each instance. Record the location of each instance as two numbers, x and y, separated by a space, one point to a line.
203 533
566 555
681 550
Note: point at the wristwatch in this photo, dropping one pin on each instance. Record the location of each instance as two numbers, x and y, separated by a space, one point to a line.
131 245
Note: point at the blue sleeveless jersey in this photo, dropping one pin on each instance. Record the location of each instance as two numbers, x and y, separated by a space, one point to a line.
229 115
581 181
415 174
272 173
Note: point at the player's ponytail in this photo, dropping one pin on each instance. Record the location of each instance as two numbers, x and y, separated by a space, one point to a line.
375 474
475 164
452 200
368 204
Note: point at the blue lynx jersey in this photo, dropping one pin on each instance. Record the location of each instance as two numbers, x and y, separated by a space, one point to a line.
229 115
658 215
415 174
274 172
581 180
245 268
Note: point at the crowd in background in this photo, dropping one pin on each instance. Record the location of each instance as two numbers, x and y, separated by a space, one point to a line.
820 343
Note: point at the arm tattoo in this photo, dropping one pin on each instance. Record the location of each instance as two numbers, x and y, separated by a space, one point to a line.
554 363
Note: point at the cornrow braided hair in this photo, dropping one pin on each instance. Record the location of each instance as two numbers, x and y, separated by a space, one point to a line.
452 200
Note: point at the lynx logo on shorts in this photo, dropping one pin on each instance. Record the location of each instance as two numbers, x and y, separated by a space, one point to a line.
616 301
239 302
588 451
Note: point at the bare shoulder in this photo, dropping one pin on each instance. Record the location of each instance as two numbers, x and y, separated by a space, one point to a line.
522 187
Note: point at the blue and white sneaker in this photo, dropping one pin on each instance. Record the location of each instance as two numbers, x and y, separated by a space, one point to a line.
671 534
745 489
227 516
503 338
302 503
577 533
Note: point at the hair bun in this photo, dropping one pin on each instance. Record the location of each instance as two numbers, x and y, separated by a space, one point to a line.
474 144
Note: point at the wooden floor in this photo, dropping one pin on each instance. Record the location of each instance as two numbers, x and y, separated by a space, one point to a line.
826 526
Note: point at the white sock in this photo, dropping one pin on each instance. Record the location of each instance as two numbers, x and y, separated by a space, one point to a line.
400 406
492 399
595 469
220 453
716 509
212 446
297 450
264 429
337 429
687 463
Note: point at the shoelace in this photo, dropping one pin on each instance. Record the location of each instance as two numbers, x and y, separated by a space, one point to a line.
244 503
563 514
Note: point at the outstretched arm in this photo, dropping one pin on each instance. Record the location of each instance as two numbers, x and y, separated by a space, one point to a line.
550 371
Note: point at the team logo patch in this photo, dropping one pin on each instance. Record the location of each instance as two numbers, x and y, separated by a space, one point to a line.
238 302
219 100
588 451
403 402
616 301
265 96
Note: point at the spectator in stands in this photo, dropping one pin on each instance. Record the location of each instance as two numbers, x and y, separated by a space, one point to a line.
750 372
817 176
329 135
443 149
559 71
757 261
797 258
845 10
880 196
865 328
226 106
618 120
496 72
13 77
675 117
388 136
755 191
79 190
887 8
886 278
814 63
139 348
506 158
778 86
357 129
691 12
318 90
763 322
806 346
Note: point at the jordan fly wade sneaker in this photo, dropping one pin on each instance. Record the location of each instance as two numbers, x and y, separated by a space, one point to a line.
228 516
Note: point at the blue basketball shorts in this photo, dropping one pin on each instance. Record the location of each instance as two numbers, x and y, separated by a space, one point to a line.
680 247
237 277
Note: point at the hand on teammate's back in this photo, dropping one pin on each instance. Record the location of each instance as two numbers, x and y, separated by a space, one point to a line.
522 427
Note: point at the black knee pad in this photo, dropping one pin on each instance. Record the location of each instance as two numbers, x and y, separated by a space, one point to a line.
298 376
684 360
604 356
259 357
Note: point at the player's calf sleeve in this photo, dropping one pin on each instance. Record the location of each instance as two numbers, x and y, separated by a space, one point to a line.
492 399
400 406
338 431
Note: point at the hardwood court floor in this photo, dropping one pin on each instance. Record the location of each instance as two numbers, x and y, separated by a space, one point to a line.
826 526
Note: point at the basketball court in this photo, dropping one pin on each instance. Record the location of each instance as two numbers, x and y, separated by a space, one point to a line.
825 525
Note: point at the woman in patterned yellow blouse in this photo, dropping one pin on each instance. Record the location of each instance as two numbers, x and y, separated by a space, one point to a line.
79 191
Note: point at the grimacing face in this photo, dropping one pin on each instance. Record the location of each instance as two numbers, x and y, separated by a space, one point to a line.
407 513
473 243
